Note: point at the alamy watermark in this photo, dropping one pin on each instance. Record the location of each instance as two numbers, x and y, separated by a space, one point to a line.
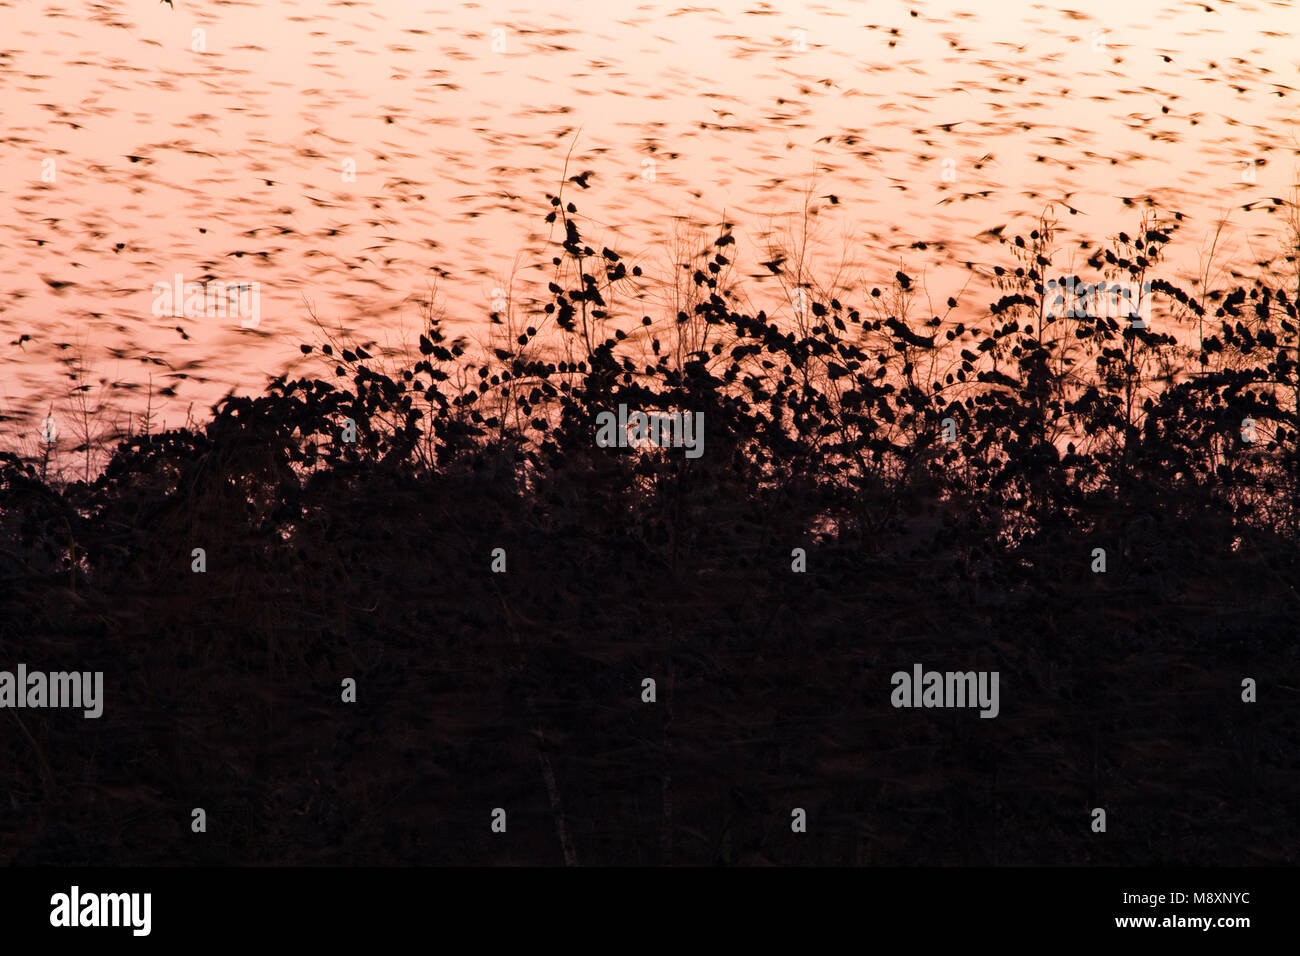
211 299
76 909
922 688
651 429
1109 300
36 689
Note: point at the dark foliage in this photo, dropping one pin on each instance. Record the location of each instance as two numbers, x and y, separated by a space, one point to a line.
370 559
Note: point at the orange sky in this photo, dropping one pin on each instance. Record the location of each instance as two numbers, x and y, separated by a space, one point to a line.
240 152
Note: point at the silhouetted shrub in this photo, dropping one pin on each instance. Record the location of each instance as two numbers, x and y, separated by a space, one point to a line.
371 559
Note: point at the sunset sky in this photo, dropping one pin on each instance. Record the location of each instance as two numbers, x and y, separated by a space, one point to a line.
225 154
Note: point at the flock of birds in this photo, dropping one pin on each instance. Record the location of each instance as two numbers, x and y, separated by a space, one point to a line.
357 159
